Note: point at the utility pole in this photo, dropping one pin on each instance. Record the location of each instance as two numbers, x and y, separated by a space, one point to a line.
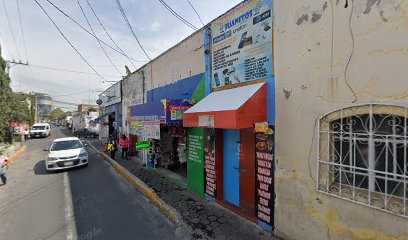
13 63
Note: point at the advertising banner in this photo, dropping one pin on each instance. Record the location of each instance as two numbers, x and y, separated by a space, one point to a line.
242 44
174 110
132 90
265 195
195 160
209 160
145 126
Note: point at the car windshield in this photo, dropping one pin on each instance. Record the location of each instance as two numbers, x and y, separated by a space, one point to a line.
38 127
66 145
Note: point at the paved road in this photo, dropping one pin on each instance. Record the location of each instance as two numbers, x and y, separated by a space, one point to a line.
87 203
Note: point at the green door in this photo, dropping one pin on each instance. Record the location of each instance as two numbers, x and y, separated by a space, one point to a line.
195 162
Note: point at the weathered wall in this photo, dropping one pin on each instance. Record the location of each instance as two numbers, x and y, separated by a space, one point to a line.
320 46
184 60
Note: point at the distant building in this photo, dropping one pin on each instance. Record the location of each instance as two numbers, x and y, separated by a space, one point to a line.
88 108
43 108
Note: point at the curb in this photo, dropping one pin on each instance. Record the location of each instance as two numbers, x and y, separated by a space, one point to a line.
149 193
17 152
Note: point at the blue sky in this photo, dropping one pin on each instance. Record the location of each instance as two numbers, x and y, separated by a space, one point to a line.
155 27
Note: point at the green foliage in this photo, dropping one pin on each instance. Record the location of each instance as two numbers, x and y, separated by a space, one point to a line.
58 114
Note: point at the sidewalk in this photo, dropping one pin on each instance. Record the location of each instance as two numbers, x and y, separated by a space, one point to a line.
201 215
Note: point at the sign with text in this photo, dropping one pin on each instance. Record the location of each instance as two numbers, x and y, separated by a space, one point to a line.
206 121
265 195
209 162
242 44
145 126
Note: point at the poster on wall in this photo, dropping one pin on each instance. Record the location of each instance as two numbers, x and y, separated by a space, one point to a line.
145 126
209 162
242 44
264 150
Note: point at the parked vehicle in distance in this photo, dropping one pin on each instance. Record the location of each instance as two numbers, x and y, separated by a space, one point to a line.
40 130
66 153
86 133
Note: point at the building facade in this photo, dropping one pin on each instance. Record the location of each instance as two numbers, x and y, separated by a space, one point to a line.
341 169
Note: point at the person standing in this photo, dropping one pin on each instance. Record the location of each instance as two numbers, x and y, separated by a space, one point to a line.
3 171
124 144
112 148
25 135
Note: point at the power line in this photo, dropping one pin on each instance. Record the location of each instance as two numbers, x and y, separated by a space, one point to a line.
66 39
68 70
8 50
87 31
106 31
103 49
178 16
195 12
24 41
130 27
11 30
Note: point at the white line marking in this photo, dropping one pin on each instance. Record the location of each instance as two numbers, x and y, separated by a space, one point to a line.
69 213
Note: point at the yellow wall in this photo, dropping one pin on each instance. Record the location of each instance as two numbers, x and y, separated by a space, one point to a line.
313 43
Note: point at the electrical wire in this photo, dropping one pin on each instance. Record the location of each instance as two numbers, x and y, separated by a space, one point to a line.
130 27
177 15
99 42
5 44
87 31
196 12
351 54
106 31
24 41
11 30
66 39
71 71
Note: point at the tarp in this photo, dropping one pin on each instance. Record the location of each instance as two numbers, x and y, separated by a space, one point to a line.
102 117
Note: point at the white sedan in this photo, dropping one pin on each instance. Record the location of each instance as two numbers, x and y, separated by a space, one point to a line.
66 153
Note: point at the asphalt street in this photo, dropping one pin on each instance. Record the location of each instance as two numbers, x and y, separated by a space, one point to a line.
84 203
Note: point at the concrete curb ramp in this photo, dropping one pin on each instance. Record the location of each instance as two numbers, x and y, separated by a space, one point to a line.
149 193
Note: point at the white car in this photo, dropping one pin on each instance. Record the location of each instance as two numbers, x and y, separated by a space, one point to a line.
66 153
40 130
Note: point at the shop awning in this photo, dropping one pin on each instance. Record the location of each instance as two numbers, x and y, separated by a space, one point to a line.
235 108
102 117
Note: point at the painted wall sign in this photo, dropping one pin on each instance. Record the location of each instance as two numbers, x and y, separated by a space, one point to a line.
242 44
209 162
132 90
264 144
206 121
145 126
195 160
111 95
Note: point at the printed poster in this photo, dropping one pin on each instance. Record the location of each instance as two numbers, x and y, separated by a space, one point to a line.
265 195
242 44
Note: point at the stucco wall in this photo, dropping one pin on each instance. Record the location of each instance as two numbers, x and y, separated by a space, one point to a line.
184 60
314 60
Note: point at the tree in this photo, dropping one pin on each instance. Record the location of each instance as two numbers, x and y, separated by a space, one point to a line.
5 103
58 114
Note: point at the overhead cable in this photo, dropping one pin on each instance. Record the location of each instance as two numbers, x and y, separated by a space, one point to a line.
196 12
97 39
71 71
106 31
177 15
11 30
130 27
87 31
66 39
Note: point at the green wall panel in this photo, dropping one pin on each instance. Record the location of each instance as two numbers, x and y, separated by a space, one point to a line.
195 162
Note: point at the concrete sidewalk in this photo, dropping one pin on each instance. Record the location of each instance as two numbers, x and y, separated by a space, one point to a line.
206 219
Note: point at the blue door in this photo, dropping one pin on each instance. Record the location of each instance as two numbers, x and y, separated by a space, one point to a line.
231 166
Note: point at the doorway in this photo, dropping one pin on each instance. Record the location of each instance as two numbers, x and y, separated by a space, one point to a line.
231 166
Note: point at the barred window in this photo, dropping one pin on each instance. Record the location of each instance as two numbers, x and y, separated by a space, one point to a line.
362 156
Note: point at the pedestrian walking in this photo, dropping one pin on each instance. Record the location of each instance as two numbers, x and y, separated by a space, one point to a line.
124 144
25 135
112 148
3 171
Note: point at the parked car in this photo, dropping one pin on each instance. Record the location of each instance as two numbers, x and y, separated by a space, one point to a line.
66 153
40 130
86 133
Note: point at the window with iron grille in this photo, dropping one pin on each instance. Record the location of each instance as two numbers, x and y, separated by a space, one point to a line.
362 156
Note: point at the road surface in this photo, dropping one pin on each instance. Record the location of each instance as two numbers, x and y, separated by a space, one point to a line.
86 203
